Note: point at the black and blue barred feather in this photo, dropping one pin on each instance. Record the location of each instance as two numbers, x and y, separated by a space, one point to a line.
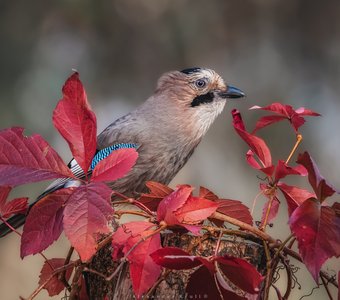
101 154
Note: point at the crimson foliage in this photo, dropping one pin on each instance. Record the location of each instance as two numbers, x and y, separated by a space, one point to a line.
85 212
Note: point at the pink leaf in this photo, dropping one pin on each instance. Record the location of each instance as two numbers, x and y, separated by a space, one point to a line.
266 121
195 210
28 159
173 202
256 144
235 209
317 230
44 222
144 271
207 194
124 232
15 206
282 170
157 192
87 214
321 188
174 258
284 112
241 273
295 196
54 286
273 210
115 166
76 122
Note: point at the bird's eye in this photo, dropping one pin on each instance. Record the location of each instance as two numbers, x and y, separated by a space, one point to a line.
200 83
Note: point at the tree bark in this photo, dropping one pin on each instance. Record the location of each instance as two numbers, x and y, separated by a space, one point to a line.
171 286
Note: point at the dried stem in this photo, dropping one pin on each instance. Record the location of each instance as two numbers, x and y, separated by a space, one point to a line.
244 226
132 212
325 284
62 276
54 273
298 141
264 224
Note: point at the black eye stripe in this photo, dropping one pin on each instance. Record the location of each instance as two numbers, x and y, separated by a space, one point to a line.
205 98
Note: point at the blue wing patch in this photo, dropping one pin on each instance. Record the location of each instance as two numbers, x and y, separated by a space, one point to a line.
101 154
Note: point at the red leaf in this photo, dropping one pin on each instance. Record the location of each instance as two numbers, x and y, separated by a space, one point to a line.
235 209
172 203
317 230
44 222
266 121
157 192
273 210
202 285
28 159
158 189
175 258
15 206
241 273
125 231
256 144
284 112
76 122
321 188
282 170
295 196
87 213
143 271
54 285
195 210
115 166
207 194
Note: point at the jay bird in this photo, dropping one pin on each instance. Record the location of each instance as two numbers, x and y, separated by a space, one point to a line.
165 130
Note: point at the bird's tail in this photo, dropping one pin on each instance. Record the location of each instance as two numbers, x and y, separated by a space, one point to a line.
16 221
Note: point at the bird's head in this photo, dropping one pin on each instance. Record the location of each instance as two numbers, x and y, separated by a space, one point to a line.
197 94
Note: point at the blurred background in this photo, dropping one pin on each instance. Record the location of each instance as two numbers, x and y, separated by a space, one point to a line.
286 51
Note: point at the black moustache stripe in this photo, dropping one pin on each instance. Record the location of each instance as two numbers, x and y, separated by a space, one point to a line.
206 98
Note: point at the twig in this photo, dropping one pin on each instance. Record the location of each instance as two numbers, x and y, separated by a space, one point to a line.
269 271
254 202
244 226
62 276
289 277
55 272
264 224
325 284
279 250
132 201
19 234
132 212
298 141
76 283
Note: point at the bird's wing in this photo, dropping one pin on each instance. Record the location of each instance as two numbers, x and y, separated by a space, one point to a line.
78 171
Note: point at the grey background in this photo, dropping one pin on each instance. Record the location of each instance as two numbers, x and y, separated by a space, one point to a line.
286 51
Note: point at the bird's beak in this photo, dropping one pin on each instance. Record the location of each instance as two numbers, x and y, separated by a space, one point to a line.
232 92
